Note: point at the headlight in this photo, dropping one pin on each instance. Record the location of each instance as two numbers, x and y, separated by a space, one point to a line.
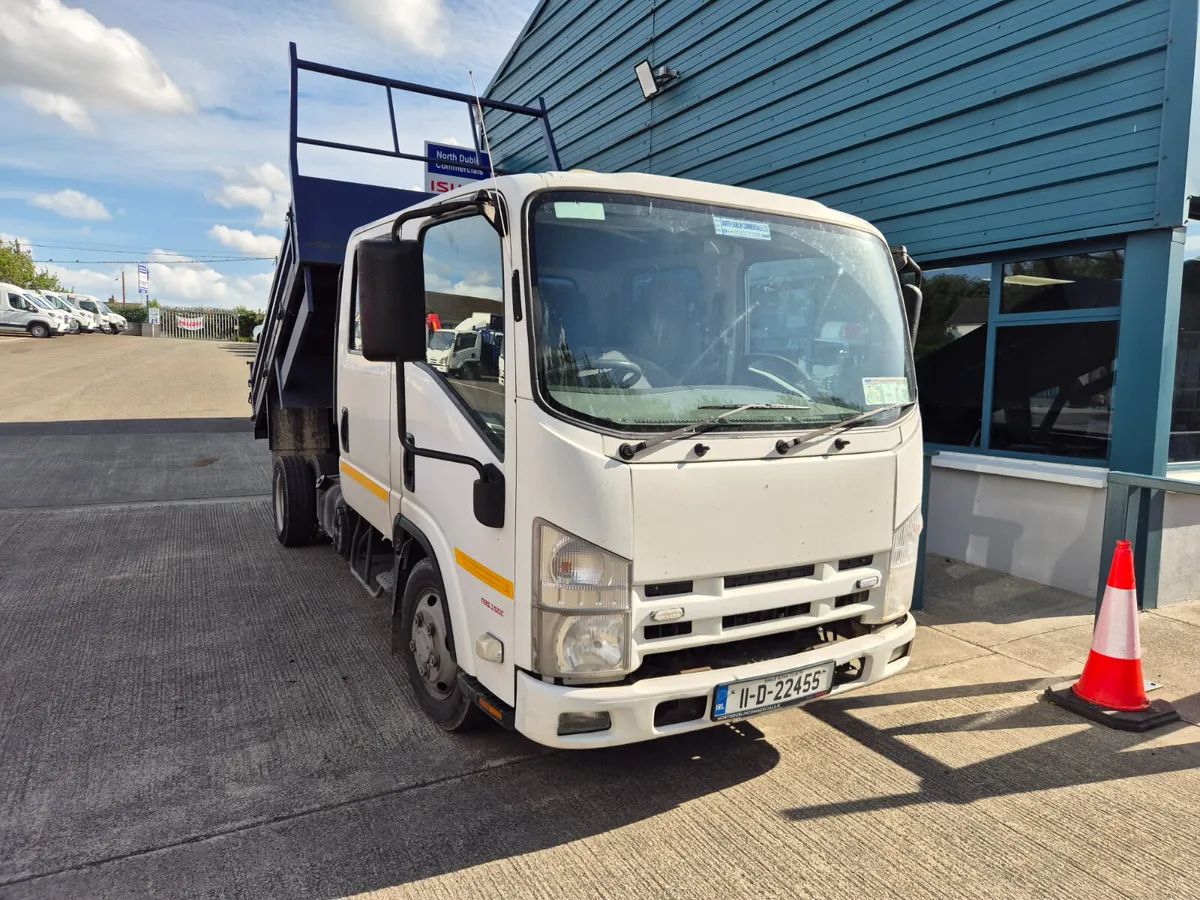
581 607
902 569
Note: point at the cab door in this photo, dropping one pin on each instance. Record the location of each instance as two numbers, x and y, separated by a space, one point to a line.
364 414
12 312
468 412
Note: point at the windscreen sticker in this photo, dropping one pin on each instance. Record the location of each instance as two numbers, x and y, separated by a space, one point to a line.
885 391
741 228
573 210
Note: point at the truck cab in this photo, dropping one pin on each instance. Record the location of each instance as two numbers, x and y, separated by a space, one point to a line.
677 508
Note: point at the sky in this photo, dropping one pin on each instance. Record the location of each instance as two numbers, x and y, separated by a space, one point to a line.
157 131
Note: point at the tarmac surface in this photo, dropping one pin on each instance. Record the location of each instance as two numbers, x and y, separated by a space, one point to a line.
189 709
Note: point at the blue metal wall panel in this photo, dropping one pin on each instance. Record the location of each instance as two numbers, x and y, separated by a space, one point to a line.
958 128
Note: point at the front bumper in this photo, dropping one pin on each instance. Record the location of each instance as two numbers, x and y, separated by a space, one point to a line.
631 707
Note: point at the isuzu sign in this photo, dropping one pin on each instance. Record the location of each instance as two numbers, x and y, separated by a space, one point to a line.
444 170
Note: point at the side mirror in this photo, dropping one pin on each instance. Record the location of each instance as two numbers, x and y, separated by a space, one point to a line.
391 300
912 307
489 497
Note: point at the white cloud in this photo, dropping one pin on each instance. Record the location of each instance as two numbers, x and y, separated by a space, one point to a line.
200 285
68 60
264 187
89 281
59 106
246 241
72 205
419 24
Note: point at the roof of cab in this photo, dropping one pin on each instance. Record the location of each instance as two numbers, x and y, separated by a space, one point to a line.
652 185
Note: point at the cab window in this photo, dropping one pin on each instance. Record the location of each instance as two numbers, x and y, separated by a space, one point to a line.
464 294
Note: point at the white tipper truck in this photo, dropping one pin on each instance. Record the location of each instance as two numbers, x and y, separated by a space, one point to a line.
683 505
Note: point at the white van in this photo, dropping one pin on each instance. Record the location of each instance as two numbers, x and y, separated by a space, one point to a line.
110 322
90 322
20 313
80 320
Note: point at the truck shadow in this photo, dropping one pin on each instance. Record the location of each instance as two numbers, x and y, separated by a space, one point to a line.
536 803
1090 755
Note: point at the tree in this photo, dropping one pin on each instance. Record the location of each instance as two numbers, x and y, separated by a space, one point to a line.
16 267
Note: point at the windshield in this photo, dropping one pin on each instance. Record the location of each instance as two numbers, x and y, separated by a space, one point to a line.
39 301
441 340
103 307
648 311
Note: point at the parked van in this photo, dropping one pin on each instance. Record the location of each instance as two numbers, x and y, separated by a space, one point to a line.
87 321
75 317
19 313
110 322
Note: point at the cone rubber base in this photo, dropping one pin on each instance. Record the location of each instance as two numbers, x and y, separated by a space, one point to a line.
1160 712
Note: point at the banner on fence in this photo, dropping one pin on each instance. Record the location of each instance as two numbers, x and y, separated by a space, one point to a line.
191 323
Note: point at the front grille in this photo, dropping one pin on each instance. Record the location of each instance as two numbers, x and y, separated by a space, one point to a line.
668 589
737 620
670 629
851 599
854 562
749 578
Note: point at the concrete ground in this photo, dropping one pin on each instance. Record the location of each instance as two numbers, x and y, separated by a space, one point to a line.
189 709
84 377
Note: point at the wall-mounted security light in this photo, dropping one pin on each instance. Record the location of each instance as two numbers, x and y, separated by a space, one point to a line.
652 81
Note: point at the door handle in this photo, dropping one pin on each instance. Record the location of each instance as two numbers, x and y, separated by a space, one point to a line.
344 430
410 467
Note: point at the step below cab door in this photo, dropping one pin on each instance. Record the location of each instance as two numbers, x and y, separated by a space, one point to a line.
466 411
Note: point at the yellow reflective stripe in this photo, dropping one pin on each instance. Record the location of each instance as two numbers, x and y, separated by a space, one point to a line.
497 583
370 484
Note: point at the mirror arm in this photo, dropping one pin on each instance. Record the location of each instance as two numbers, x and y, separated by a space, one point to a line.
438 209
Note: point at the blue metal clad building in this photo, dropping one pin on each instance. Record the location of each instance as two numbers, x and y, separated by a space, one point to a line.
1033 155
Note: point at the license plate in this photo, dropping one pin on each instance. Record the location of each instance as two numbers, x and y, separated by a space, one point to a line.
759 695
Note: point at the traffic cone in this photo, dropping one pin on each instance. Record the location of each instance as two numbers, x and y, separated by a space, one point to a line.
1112 689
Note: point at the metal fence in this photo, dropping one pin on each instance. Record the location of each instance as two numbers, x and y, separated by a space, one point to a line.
199 324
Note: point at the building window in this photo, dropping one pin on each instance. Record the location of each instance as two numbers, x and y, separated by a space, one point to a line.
1046 331
1058 283
1185 410
1052 390
951 352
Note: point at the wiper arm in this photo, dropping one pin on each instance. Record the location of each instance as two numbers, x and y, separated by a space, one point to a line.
629 451
783 446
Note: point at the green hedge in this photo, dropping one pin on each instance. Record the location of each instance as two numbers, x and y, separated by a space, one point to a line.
133 312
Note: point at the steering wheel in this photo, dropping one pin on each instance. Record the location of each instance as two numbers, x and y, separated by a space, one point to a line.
782 368
625 374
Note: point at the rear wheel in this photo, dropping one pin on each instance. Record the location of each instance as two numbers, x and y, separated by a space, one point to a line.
38 330
430 661
294 501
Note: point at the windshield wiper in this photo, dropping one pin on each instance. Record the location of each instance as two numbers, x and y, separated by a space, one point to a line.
783 446
629 451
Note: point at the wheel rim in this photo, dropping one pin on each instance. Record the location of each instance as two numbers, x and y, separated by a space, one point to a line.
428 645
278 498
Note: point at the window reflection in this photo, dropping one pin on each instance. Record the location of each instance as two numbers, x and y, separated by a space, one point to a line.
1185 410
1079 281
950 350
1053 388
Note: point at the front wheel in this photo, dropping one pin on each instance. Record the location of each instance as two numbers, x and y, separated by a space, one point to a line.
38 330
430 662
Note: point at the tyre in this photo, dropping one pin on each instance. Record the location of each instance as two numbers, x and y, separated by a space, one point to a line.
39 330
470 371
429 656
294 501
